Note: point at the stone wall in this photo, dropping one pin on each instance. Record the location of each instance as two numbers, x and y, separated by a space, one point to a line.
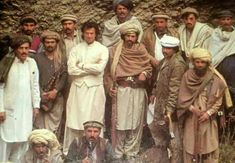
48 12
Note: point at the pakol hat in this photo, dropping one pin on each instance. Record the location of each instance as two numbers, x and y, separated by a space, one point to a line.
28 18
224 13
69 17
169 41
160 15
189 10
95 124
50 35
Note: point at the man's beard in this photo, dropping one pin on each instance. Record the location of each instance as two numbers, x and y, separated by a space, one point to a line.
50 49
28 32
200 72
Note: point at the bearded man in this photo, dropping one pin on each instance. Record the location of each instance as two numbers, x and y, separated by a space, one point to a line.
200 96
52 78
129 69
43 148
28 26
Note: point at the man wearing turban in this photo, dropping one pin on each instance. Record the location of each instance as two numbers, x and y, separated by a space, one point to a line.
19 101
122 9
43 148
200 96
128 70
52 79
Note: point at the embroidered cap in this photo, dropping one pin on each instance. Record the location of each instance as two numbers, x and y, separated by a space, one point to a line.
95 124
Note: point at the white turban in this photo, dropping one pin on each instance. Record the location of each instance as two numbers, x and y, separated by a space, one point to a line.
169 41
44 136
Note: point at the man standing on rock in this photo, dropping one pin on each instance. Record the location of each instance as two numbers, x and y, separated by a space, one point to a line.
19 102
165 94
52 78
192 33
122 9
200 96
86 99
129 69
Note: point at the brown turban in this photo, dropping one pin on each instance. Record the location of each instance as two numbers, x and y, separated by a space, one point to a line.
19 40
50 35
200 53
126 3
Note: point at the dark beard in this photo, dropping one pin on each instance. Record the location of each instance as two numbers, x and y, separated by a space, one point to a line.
200 72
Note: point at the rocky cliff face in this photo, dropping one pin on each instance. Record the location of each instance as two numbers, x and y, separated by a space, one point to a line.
48 12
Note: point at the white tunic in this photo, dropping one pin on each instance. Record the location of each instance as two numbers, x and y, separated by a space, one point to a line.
86 99
18 97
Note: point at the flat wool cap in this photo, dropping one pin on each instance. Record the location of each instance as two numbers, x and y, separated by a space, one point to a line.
169 41
50 35
69 17
28 18
224 13
189 10
95 124
160 15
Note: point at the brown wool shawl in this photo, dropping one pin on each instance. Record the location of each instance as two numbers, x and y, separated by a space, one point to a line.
192 85
131 62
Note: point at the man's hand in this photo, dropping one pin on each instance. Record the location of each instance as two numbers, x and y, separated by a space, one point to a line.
142 77
195 111
35 113
85 160
2 117
113 92
204 117
154 62
44 96
52 94
152 98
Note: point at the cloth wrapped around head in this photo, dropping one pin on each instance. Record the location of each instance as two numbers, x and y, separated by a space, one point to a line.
200 53
127 3
129 28
44 136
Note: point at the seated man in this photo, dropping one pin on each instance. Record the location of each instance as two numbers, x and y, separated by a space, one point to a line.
43 148
91 147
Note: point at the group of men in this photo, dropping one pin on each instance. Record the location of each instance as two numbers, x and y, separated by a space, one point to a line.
111 82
